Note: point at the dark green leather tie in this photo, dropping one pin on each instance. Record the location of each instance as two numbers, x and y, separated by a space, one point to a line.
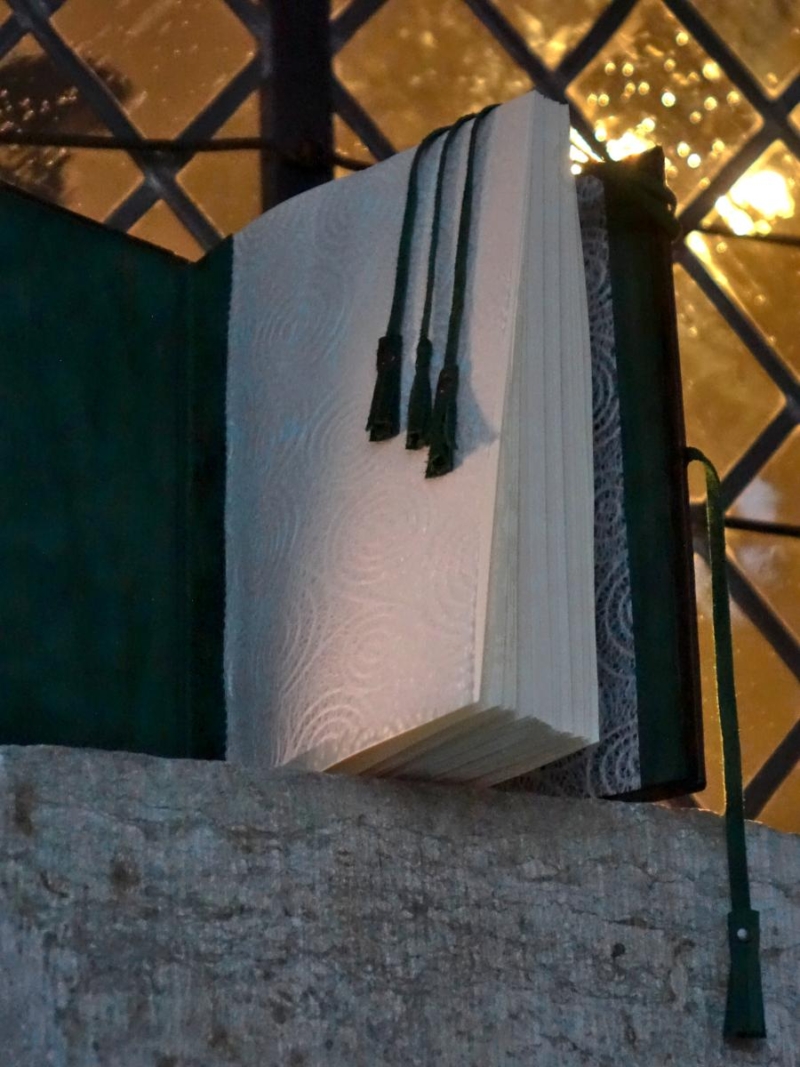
744 1012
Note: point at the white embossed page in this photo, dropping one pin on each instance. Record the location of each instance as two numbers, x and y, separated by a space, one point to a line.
357 589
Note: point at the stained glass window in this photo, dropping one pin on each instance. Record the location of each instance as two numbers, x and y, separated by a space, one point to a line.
717 85
712 86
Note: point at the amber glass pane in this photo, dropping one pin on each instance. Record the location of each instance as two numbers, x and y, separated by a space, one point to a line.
35 98
782 811
416 65
552 30
765 34
347 142
728 398
98 182
176 55
773 565
764 200
653 84
161 227
227 185
768 694
764 279
774 494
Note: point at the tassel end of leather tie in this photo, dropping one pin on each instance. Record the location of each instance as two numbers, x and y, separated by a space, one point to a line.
441 458
420 400
744 1011
384 414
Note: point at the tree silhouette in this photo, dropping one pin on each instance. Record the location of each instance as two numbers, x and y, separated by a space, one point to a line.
36 98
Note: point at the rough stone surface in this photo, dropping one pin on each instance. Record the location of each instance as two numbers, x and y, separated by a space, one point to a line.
179 914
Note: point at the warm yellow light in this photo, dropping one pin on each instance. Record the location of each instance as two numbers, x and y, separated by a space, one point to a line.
610 67
766 192
695 117
710 103
668 99
580 149
644 88
627 69
694 161
683 149
711 70
739 221
602 100
576 168
681 38
696 243
629 144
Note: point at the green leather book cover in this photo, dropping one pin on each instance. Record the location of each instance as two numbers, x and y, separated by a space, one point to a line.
112 485
112 386
656 492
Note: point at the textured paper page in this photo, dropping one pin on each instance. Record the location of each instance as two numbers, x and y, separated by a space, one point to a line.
611 767
553 478
556 500
356 589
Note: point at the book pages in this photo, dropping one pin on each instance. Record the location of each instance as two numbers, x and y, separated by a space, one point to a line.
378 621
613 766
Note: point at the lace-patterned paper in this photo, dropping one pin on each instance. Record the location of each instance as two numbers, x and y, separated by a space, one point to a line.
317 610
612 766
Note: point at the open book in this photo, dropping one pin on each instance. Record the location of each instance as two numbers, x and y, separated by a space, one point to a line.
193 496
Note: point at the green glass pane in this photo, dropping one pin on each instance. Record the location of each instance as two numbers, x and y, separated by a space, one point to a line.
177 55
764 280
764 33
772 496
728 398
652 84
36 99
415 65
767 711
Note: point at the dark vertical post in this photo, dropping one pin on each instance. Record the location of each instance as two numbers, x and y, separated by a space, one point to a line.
296 98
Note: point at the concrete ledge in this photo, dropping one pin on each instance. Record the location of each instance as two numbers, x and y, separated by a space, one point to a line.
178 914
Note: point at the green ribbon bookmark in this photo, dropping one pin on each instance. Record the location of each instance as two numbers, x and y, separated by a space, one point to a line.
420 399
744 1012
384 413
441 457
